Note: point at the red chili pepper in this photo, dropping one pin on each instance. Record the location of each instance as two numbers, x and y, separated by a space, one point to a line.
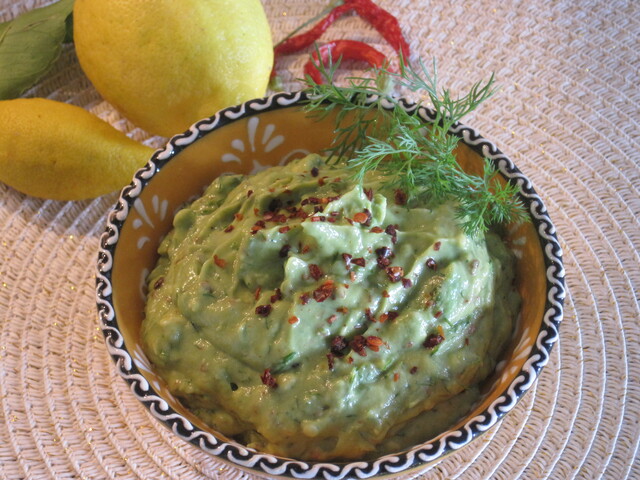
348 50
386 24
306 39
379 18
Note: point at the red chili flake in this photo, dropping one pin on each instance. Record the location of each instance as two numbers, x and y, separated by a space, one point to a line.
286 190
400 197
436 246
314 172
334 214
229 228
256 294
360 217
306 249
321 181
284 251
374 343
336 180
219 261
396 377
311 200
431 264
384 252
238 216
385 294
369 316
263 310
304 298
318 209
383 262
284 229
376 230
433 340
392 315
249 193
300 214
271 190
368 193
384 317
268 379
349 220
342 310
359 261
338 345
323 292
429 303
158 283
358 345
332 319
331 219
315 271
438 314
347 259
413 370
293 319
395 274
276 296
352 276
466 341
256 212
259 225
407 283
268 216
330 358
391 230
315 219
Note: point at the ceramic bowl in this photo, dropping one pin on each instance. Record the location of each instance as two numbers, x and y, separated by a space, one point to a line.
271 131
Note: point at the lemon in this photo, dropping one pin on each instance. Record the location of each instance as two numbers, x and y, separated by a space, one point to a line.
166 64
54 150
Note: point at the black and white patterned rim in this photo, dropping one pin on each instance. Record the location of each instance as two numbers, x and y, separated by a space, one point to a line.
261 463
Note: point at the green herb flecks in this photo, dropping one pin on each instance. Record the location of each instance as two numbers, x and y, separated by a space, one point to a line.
30 44
375 132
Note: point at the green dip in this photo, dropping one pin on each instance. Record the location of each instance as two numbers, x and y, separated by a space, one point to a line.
311 318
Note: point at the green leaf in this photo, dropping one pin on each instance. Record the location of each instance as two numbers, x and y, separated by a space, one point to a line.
29 46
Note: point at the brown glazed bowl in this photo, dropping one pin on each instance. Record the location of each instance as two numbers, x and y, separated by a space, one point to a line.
271 131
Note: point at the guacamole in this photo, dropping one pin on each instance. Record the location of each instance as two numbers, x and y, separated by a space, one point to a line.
314 318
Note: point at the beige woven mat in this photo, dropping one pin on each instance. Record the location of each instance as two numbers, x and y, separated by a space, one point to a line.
568 114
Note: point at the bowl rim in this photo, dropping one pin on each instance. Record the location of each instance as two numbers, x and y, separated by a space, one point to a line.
261 463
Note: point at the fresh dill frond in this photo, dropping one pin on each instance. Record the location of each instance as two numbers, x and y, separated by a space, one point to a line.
374 131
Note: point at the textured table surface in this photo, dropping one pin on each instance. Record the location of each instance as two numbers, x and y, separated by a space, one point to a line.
567 113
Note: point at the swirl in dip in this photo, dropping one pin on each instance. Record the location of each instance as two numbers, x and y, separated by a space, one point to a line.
317 319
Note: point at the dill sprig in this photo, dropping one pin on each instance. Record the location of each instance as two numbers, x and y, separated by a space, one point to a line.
375 132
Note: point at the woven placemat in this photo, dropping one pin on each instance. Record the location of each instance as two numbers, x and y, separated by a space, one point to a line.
567 114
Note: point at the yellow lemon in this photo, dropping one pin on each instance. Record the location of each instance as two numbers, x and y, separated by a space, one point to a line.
54 150
166 64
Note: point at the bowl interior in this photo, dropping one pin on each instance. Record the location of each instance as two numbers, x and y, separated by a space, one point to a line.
246 145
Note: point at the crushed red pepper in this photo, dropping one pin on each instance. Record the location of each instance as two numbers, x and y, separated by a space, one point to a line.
268 379
433 340
395 274
315 271
220 262
263 310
